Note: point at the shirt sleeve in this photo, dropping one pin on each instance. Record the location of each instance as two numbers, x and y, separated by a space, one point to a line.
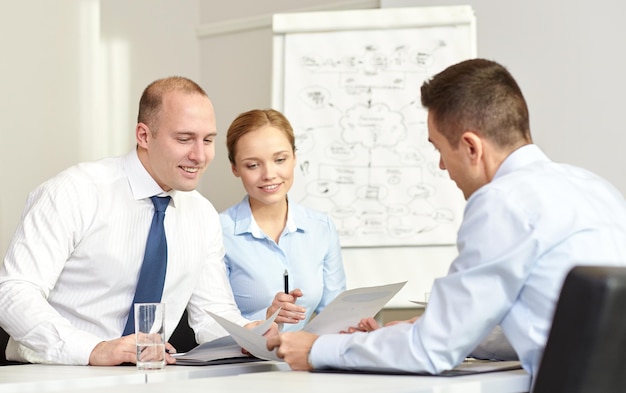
213 293
496 253
495 347
334 275
51 224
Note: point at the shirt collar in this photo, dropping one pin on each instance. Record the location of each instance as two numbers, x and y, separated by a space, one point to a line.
245 223
141 183
292 226
519 158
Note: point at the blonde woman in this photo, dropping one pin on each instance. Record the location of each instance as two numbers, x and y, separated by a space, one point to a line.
267 236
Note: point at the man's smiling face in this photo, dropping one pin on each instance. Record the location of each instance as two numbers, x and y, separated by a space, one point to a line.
181 147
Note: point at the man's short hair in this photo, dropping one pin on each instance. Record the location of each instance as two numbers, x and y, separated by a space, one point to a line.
478 95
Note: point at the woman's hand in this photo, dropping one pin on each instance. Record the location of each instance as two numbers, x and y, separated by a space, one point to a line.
289 311
370 324
365 325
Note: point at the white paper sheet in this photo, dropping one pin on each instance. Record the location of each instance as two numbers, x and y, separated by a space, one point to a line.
250 339
221 348
350 307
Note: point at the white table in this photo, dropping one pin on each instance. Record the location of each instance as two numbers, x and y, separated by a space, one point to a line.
41 378
177 373
303 382
516 381
244 377
53 378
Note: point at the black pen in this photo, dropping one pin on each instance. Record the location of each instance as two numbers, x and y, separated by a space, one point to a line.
286 278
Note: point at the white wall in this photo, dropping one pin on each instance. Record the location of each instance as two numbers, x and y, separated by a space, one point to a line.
39 122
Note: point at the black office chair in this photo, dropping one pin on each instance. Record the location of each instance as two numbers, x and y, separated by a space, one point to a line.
183 337
586 348
4 339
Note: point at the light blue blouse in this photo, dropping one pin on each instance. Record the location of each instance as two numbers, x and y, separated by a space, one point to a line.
520 236
308 249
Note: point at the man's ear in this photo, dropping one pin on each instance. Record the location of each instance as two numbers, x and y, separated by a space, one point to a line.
141 133
473 145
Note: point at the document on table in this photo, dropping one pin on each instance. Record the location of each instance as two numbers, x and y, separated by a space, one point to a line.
212 352
251 340
468 367
345 311
221 350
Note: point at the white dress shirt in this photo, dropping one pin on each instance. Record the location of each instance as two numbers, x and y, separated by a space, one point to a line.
520 236
70 273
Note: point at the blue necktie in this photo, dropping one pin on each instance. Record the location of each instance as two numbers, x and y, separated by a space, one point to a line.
152 275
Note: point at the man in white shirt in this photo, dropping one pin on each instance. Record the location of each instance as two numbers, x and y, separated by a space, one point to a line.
70 273
527 222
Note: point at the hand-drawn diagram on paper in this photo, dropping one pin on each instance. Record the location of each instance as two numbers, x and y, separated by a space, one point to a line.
353 98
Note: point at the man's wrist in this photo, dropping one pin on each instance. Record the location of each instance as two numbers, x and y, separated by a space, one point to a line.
309 360
309 355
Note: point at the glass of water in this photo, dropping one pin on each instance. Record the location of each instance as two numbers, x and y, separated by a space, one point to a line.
150 335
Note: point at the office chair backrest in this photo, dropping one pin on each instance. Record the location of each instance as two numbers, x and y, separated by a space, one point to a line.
4 340
183 338
586 348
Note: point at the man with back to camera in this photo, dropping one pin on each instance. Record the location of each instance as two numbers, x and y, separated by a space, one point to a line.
526 223
70 273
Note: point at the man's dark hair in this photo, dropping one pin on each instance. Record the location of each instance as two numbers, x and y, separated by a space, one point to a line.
478 95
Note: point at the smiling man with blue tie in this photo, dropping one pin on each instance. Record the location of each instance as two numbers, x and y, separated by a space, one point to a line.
76 263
